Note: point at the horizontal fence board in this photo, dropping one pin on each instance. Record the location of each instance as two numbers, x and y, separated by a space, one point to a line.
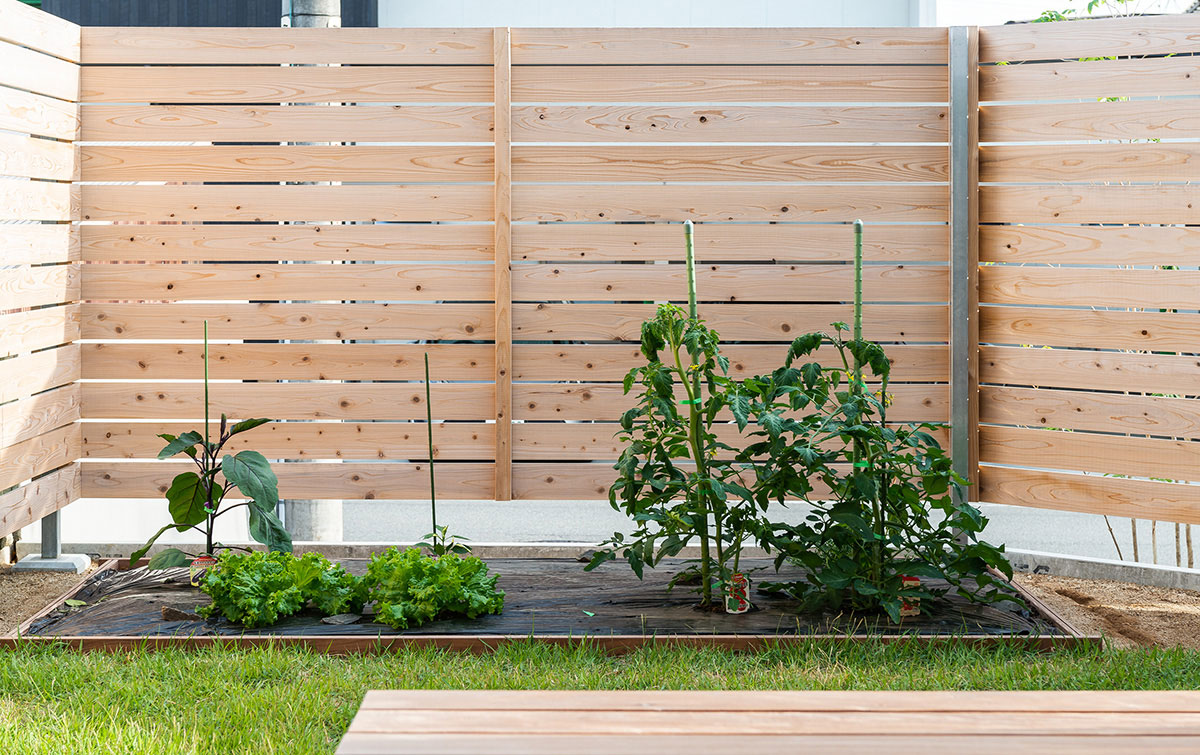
715 163
735 322
624 83
38 329
231 84
1090 80
607 401
26 505
694 46
1095 163
251 242
30 244
775 282
1086 452
36 158
575 481
1179 33
547 202
1096 412
288 361
240 46
27 374
1089 204
38 455
1086 369
1138 119
36 200
321 322
35 114
353 401
1076 245
285 163
1012 284
1088 328
314 481
730 123
267 282
591 441
29 417
22 68
285 123
32 27
598 362
743 243
274 203
1136 499
381 441
28 286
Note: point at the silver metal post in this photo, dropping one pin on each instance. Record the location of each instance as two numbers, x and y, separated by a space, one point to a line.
51 537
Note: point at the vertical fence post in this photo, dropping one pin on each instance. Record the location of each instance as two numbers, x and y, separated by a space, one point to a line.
964 253
502 78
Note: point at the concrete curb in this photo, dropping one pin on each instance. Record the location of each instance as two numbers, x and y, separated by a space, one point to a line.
1062 565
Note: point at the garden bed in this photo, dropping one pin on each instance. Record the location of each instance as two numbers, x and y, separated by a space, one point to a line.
552 599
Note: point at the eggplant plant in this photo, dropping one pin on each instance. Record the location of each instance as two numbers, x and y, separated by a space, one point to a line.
196 499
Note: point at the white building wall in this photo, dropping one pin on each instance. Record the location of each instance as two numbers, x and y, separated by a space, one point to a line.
609 13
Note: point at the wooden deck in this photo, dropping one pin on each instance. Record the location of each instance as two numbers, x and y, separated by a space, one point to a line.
446 722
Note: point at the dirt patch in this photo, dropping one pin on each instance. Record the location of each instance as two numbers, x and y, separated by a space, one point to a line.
22 594
1128 615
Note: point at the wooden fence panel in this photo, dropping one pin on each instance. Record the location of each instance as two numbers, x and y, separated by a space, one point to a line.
1088 281
39 266
597 238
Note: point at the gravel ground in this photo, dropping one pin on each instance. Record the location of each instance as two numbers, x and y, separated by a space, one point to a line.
22 594
1128 615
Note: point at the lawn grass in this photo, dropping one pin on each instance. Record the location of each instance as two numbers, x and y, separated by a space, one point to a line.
277 700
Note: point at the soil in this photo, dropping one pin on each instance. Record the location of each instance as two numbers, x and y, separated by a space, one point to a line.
1128 615
22 594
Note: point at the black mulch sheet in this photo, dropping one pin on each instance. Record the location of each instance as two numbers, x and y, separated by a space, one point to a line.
544 596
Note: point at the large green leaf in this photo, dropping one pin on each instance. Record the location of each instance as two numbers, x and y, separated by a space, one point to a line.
266 528
184 443
168 558
186 499
247 424
137 554
252 474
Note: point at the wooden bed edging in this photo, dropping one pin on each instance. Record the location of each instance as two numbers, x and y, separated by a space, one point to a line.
483 643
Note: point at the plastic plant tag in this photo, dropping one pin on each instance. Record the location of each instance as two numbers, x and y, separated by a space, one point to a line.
198 567
737 600
910 606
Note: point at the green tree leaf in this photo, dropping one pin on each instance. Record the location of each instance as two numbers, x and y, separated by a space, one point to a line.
252 474
247 424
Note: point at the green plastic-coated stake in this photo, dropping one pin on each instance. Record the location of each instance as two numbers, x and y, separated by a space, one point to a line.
429 431
858 295
206 386
688 231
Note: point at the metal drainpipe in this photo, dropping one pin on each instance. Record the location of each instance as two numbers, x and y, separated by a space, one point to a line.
313 520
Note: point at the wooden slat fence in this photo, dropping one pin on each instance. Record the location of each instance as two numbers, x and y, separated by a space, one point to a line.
40 398
338 202
1089 277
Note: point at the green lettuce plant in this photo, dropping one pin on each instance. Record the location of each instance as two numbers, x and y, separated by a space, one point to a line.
195 498
258 589
410 588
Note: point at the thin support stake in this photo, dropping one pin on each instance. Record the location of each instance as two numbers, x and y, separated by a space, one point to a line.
429 431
